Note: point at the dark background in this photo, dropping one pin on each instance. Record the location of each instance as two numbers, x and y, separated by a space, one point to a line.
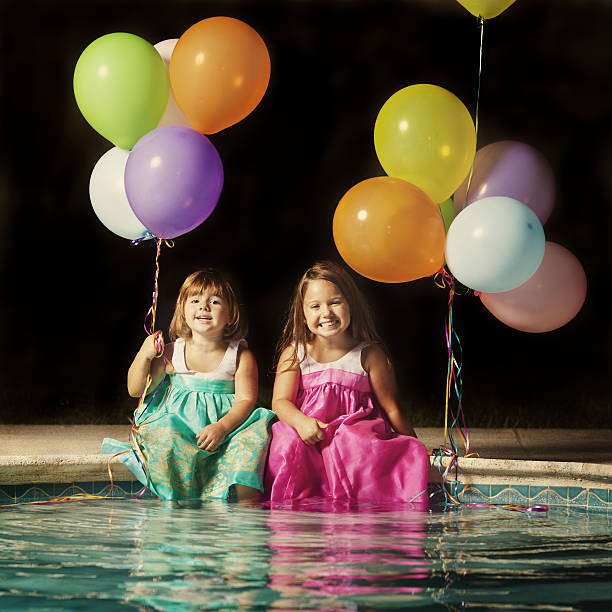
74 295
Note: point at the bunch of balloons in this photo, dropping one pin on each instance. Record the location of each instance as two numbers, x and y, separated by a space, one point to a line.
496 244
156 104
389 228
481 212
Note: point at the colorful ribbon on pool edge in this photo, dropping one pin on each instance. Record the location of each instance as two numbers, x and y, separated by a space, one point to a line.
444 279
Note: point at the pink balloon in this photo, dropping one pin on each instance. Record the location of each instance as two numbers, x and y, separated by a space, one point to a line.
173 115
512 169
552 297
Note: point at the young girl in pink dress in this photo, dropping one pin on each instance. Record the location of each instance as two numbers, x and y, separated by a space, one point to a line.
341 433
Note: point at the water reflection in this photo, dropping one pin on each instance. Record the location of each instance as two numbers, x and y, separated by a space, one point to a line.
325 550
146 555
200 558
310 556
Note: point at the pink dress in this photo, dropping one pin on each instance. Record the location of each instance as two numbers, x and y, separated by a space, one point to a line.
361 457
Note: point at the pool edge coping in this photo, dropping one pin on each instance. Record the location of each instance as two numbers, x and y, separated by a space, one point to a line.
31 469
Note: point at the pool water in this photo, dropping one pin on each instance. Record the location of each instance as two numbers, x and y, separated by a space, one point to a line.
150 555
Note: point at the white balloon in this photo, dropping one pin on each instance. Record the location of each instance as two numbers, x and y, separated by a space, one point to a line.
173 115
495 244
108 197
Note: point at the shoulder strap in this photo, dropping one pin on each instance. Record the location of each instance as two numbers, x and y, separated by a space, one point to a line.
178 356
352 360
229 363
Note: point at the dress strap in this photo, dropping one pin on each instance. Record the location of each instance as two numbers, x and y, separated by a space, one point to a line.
229 363
178 355
352 360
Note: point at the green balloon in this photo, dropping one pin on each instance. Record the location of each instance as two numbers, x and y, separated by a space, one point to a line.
121 86
447 210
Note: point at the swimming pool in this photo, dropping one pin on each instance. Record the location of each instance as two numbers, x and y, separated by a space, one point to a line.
150 555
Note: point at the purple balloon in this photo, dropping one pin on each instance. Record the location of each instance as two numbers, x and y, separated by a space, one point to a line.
512 169
173 180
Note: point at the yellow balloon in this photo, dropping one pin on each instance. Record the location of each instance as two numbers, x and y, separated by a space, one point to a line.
425 135
389 230
487 9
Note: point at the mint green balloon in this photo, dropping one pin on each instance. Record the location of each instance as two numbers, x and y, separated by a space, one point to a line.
121 86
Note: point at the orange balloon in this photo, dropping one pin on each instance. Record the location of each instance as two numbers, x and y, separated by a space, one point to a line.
219 71
389 230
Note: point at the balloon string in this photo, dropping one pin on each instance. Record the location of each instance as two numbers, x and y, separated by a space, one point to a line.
454 382
444 279
152 311
158 341
469 181
135 436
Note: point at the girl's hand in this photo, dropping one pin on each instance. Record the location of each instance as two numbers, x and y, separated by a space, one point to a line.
211 436
149 349
147 363
311 430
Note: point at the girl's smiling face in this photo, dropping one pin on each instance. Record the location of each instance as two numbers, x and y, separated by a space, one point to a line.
326 310
206 313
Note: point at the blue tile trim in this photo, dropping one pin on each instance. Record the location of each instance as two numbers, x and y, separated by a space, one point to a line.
33 492
538 495
558 496
11 494
597 498
519 494
7 494
532 495
500 494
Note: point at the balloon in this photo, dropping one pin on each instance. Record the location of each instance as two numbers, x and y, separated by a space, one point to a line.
173 114
447 211
389 230
425 135
512 169
219 71
173 180
495 244
121 87
487 9
108 198
548 300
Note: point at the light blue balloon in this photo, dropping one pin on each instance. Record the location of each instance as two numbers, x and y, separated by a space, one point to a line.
495 244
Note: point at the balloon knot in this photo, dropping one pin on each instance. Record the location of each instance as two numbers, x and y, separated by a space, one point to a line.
148 236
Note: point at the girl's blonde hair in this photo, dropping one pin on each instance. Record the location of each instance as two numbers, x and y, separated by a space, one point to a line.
195 284
296 331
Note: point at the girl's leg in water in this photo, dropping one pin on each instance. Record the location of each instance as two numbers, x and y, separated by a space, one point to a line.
242 493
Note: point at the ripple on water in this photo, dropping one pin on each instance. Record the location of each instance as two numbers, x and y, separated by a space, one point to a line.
146 554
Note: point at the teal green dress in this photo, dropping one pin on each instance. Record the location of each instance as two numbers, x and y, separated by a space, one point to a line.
180 407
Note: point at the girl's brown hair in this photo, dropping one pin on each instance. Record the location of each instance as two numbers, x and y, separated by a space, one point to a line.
195 284
296 331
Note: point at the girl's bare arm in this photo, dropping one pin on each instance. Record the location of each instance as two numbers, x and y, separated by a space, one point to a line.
145 364
382 379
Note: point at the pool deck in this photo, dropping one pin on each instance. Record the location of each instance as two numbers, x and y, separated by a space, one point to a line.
559 457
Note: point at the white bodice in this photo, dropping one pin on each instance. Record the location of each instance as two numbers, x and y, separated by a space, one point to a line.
226 370
349 362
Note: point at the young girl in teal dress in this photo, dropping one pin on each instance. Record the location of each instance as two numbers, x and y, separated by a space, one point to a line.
200 433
